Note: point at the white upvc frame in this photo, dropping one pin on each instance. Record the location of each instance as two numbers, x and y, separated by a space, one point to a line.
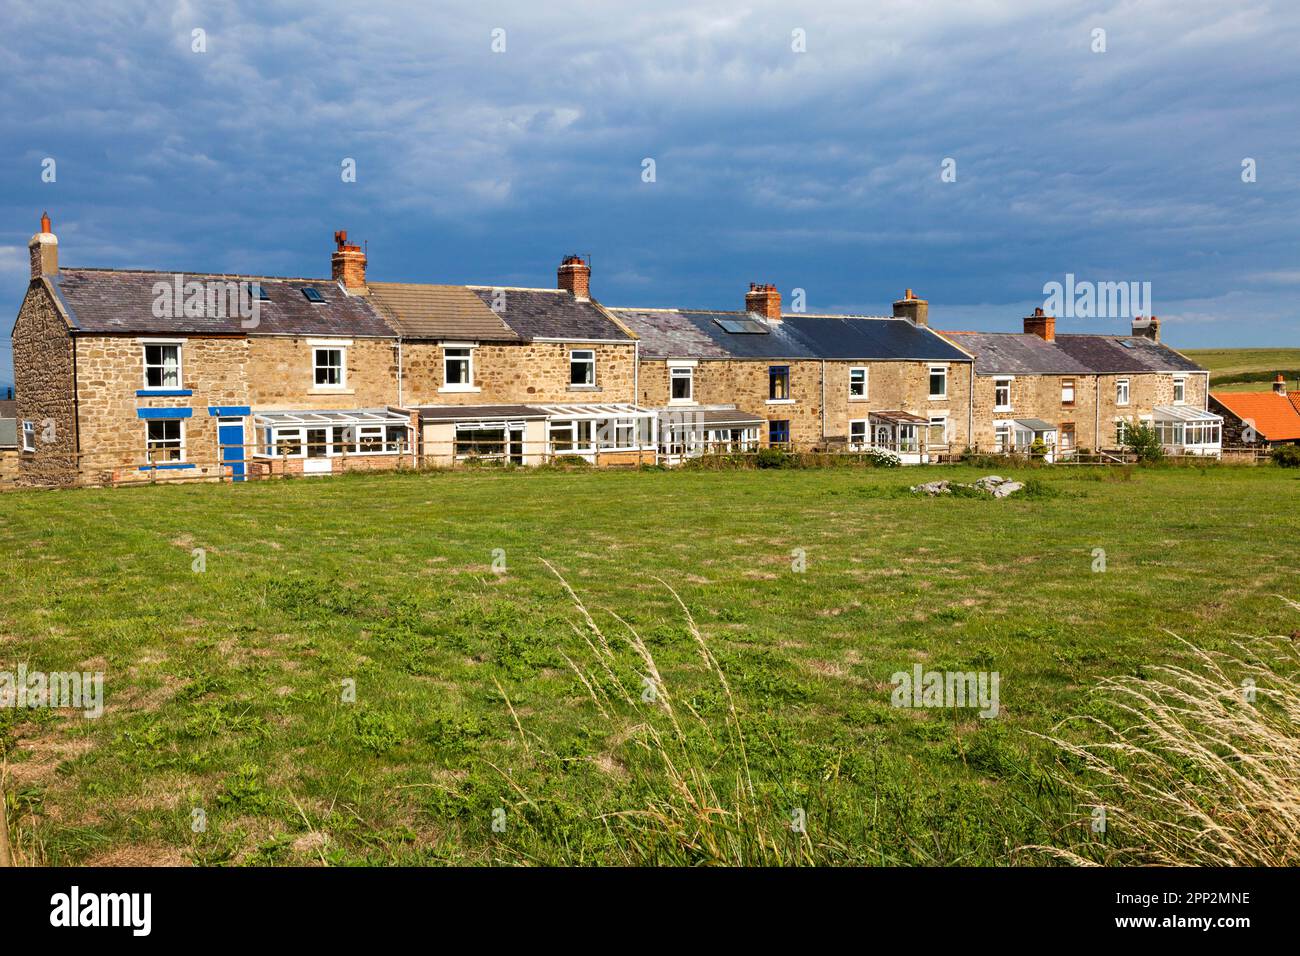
29 435
337 437
865 383
1122 394
1073 386
864 440
468 358
681 370
179 346
179 446
941 370
317 347
938 418
1180 389
583 356
998 384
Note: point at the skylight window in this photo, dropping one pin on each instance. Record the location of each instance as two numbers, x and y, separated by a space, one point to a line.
312 294
262 294
1125 342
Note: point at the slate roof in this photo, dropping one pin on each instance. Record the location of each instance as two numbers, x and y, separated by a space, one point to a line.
447 312
116 300
8 433
1273 415
1023 353
553 314
681 333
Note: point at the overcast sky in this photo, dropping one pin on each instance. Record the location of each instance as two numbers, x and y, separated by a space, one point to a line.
818 170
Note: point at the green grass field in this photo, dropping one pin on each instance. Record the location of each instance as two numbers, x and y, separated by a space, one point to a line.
1246 370
224 686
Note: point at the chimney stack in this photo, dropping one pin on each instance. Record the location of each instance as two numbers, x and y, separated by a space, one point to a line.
1041 325
765 300
1279 385
574 276
916 311
348 264
1147 328
43 249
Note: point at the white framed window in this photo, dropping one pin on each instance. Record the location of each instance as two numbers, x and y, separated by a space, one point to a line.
1002 437
1002 394
625 433
331 441
1121 432
458 368
681 383
582 368
1067 391
1180 390
858 383
572 437
29 436
938 382
329 368
164 440
858 432
162 365
1121 391
938 430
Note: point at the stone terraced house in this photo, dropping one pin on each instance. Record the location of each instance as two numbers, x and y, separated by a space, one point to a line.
129 375
1081 392
722 380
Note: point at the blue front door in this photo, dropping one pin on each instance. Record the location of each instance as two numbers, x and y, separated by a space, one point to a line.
230 436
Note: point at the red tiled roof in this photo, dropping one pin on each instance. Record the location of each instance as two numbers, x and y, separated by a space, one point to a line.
1276 417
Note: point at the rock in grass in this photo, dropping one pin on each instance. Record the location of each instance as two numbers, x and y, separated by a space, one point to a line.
994 485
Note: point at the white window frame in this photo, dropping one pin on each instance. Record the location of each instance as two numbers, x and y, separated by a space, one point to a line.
864 440
179 346
572 426
865 383
938 370
468 348
316 365
589 360
29 436
678 371
938 420
1180 389
1073 387
179 446
998 383
1004 430
1122 394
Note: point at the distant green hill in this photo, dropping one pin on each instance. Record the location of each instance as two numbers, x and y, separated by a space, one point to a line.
1247 370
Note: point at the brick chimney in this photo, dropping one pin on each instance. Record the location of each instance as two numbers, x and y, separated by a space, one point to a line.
1041 325
916 311
44 250
1279 384
348 264
574 275
765 300
1147 328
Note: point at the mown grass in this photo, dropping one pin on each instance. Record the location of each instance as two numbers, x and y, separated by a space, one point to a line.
474 689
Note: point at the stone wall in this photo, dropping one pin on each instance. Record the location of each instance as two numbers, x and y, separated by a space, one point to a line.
897 385
518 374
43 380
1039 396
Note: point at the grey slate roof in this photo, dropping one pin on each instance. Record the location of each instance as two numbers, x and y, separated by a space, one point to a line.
447 312
8 433
553 314
1022 353
679 333
113 300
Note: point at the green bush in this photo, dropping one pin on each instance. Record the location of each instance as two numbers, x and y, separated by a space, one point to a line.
1287 456
775 458
1144 442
